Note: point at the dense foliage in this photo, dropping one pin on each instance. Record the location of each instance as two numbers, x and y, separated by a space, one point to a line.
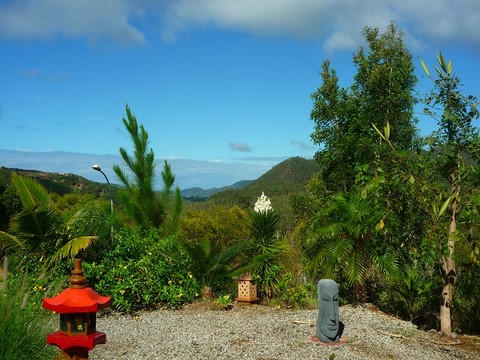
222 226
382 92
281 183
384 215
40 230
141 271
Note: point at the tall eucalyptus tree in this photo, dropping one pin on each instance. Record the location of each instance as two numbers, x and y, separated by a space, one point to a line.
382 92
456 156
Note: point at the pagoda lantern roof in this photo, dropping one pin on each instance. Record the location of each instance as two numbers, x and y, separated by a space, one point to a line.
76 301
78 298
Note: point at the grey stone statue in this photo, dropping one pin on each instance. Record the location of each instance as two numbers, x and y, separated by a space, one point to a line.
329 328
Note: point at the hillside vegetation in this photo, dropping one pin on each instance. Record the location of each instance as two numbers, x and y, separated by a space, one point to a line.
284 179
60 184
279 183
289 176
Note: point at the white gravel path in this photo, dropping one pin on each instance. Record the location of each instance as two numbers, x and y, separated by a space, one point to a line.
263 333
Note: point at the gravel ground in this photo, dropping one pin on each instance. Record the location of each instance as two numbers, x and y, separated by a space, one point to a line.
263 333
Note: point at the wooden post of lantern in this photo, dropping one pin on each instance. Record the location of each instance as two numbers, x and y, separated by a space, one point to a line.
77 307
247 290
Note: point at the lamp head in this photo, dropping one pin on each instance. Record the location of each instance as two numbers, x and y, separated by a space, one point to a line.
96 167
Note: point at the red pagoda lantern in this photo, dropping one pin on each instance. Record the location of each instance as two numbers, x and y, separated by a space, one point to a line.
77 307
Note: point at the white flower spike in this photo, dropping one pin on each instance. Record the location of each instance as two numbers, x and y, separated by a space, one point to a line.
263 204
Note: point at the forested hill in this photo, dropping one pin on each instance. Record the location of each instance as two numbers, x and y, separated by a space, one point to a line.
287 178
294 172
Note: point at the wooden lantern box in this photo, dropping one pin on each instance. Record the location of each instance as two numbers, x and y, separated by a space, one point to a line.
247 290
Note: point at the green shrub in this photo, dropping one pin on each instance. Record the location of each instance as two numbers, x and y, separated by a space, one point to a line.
295 294
91 220
138 274
222 226
412 296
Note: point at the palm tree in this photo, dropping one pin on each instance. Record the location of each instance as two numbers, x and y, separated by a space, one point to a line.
211 265
348 237
37 229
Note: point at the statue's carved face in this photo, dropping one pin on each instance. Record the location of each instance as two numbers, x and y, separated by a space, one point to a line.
328 308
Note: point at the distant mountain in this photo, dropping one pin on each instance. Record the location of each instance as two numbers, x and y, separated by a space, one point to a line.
188 172
197 193
290 176
64 183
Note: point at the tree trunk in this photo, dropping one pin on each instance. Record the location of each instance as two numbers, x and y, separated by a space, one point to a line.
450 272
447 295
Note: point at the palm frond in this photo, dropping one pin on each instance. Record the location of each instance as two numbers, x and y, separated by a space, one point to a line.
30 191
8 241
339 248
73 247
333 256
384 258
232 252
329 230
327 267
355 268
33 225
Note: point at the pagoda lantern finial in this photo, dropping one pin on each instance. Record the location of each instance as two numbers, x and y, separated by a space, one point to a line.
77 280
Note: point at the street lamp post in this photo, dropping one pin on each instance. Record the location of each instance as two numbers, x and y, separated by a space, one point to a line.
97 167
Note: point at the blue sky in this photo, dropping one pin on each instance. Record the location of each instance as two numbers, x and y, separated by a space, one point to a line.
222 86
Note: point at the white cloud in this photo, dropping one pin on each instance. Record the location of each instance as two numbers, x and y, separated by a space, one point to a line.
442 22
90 19
336 24
188 173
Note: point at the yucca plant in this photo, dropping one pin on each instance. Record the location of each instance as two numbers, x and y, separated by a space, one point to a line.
265 246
